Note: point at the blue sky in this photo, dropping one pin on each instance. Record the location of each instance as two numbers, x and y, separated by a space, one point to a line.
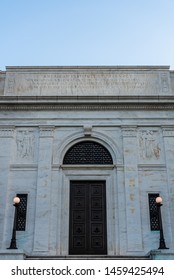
86 32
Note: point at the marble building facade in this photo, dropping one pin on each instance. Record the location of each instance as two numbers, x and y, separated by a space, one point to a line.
87 126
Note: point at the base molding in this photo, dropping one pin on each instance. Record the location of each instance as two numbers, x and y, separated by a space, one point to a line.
12 254
162 255
89 257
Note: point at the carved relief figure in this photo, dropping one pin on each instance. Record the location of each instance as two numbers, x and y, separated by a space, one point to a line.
25 144
149 145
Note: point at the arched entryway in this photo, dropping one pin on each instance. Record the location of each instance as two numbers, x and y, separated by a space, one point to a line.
87 219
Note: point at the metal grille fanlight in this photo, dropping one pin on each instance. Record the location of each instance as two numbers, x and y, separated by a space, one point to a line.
87 152
154 218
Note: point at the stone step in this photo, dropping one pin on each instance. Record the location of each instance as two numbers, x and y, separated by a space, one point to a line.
88 257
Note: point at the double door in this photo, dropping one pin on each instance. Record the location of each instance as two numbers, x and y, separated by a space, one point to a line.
87 224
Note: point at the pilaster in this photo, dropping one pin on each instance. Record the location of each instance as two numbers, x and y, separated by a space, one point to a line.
6 138
43 194
132 199
168 138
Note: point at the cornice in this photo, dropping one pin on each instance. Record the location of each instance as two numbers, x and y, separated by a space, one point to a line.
91 103
87 107
87 98
88 68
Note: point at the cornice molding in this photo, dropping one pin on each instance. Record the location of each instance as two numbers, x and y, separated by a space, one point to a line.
89 68
91 103
29 99
87 107
86 166
149 167
24 167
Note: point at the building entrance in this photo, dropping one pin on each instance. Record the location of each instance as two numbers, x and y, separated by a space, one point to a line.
87 224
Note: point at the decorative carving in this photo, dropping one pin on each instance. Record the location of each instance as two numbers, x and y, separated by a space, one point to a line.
46 131
129 132
25 141
6 132
87 130
97 242
168 132
149 145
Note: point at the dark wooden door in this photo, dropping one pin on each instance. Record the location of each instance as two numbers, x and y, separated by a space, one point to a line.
87 226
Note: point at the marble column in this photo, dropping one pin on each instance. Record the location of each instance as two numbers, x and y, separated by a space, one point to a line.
43 194
132 198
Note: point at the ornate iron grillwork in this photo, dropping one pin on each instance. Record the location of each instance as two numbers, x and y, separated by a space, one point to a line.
87 152
154 218
21 212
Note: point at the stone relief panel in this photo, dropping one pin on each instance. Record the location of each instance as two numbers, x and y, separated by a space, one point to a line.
26 143
149 145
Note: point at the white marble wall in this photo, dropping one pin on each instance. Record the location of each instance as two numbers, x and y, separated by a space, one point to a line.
135 173
34 142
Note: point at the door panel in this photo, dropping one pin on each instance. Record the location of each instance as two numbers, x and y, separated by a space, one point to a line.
87 227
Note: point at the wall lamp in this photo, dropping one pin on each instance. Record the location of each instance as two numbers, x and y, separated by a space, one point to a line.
162 244
16 201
